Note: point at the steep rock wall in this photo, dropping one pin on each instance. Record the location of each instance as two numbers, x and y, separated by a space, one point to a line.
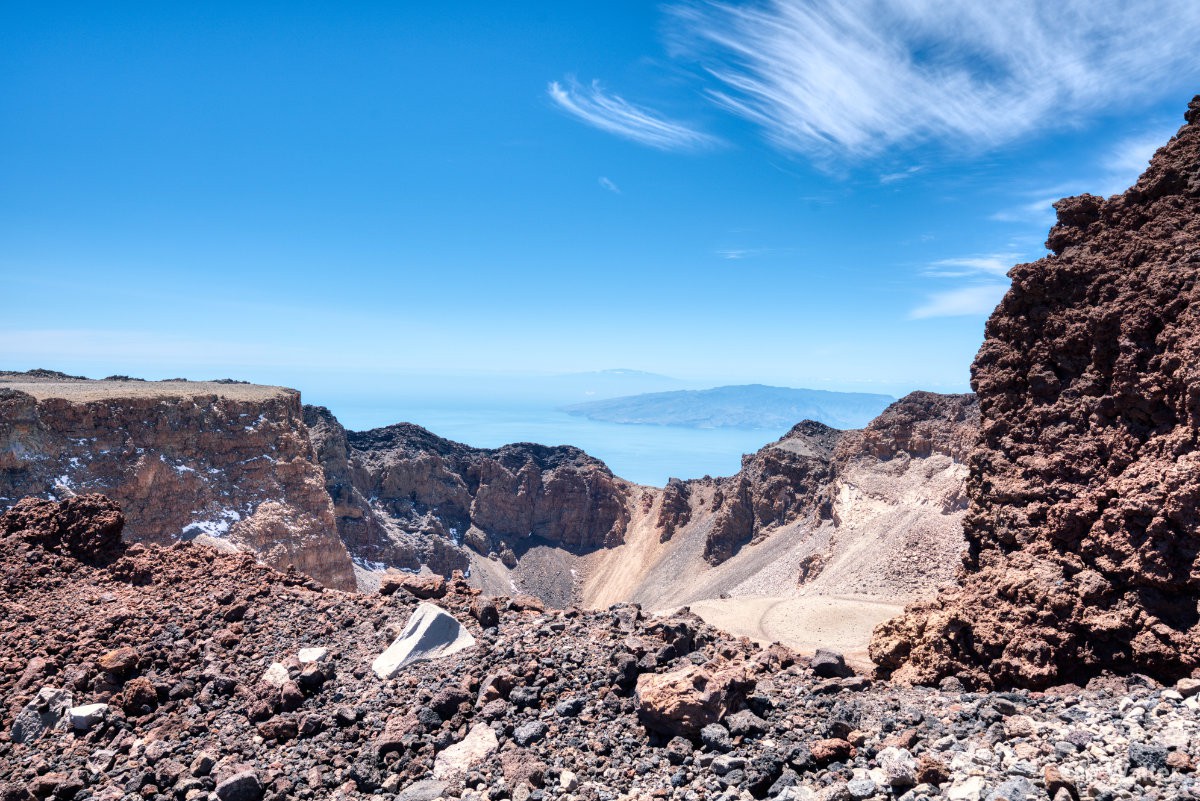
1083 526
182 459
402 492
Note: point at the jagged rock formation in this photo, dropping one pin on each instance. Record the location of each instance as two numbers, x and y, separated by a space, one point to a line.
775 486
183 459
1083 526
401 490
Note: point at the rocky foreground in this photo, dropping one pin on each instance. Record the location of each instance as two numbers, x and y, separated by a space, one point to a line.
184 673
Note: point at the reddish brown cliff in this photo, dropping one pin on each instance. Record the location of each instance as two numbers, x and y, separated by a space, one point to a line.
402 493
183 459
1083 526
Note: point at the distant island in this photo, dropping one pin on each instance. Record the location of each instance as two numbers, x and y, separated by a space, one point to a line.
745 406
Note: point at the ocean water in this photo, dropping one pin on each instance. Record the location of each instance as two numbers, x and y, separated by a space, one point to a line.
641 453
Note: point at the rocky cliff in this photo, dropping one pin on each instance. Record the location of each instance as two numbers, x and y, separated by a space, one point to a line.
1083 525
875 512
407 497
183 459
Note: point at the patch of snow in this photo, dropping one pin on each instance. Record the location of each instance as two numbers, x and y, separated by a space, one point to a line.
367 564
183 468
213 528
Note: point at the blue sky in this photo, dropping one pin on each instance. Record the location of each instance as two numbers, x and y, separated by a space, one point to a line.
821 194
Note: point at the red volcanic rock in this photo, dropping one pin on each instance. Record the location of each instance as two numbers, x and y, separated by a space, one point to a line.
684 701
86 527
1083 527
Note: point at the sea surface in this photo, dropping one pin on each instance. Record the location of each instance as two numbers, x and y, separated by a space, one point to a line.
646 454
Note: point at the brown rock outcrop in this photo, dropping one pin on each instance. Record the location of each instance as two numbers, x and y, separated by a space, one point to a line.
87 527
775 485
181 458
402 493
1083 525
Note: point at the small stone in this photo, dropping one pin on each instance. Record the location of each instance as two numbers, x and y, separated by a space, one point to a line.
119 662
1180 761
969 789
43 712
1188 687
307 655
243 786
276 675
830 665
568 781
478 745
203 764
1015 789
85 717
833 749
861 788
1152 757
569 707
898 765
716 737
529 733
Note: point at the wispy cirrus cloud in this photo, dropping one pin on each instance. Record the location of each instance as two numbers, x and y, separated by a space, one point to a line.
607 183
614 114
992 264
858 77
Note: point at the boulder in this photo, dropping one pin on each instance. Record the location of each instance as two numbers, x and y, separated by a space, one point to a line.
684 701
431 633
307 655
43 712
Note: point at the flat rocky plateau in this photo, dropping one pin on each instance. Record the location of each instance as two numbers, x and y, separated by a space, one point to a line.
198 656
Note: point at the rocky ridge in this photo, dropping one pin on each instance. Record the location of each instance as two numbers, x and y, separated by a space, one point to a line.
438 494
1082 528
181 672
184 459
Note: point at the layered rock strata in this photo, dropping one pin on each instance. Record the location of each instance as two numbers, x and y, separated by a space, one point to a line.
1083 525
183 459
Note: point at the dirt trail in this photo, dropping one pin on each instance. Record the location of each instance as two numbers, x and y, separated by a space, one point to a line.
842 623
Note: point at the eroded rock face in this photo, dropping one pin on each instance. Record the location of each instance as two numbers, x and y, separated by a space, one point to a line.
774 486
87 527
407 497
1083 525
181 459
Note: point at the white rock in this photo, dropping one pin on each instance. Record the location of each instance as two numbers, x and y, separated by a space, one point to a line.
42 713
898 766
307 655
568 781
276 675
459 758
969 789
431 633
86 716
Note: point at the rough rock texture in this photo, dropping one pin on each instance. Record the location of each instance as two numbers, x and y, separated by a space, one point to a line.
875 512
407 497
1083 525
553 692
775 486
88 527
182 459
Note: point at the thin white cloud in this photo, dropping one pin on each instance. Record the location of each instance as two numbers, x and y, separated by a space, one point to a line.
962 302
614 114
896 177
609 185
994 264
737 254
857 77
